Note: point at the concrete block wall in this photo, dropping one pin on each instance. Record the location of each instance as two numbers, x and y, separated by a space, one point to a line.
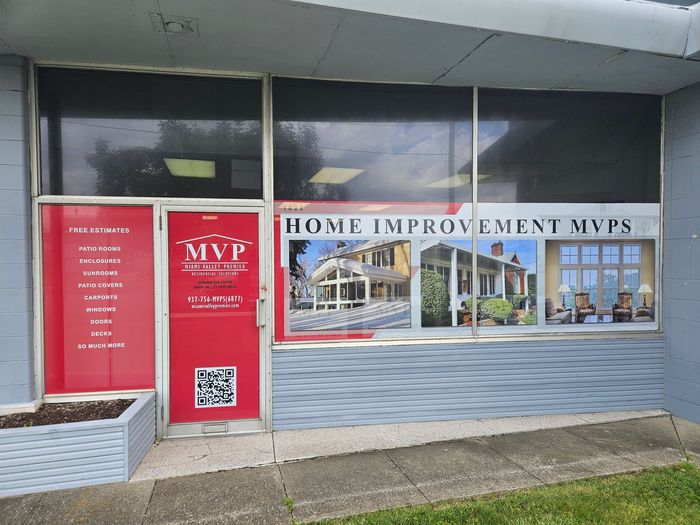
16 354
681 272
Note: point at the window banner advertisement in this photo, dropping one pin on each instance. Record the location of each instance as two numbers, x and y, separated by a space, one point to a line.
98 298
386 270
214 340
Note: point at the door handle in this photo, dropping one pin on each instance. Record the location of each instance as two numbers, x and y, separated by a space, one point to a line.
260 313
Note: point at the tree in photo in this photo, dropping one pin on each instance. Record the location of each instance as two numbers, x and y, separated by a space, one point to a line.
435 299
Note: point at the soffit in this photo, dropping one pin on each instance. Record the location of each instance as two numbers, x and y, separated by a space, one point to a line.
83 30
395 50
322 41
637 72
627 24
682 3
252 35
513 61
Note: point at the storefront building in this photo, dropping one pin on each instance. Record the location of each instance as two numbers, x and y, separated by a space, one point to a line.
341 238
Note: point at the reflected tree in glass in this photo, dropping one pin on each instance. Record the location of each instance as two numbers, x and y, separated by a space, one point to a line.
141 170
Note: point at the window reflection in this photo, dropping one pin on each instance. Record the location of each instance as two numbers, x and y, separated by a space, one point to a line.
111 133
364 142
545 146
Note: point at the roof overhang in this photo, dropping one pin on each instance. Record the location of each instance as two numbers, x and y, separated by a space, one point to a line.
601 45
363 269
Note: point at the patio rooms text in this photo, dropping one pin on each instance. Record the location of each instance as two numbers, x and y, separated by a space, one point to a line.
447 226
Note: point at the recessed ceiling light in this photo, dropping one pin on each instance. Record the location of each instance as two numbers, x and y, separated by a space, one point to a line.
328 175
455 181
375 207
198 169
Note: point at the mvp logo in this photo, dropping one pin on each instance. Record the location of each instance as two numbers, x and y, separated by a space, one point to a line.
214 248
203 252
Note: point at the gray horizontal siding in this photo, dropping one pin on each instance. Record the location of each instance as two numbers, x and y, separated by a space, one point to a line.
16 352
51 457
141 432
354 386
60 456
682 252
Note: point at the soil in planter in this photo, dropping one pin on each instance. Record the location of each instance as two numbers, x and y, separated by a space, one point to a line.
54 413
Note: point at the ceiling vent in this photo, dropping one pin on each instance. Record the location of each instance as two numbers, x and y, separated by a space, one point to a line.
174 25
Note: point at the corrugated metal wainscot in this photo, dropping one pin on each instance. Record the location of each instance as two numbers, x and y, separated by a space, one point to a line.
324 387
51 457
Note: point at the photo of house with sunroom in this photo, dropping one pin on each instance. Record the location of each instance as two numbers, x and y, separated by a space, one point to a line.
359 285
501 287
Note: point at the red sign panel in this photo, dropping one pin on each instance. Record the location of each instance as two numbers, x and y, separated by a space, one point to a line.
214 339
98 298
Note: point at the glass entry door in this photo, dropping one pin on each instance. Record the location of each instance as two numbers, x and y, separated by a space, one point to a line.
213 320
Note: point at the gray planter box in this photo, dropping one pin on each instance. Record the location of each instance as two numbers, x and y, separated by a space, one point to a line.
36 459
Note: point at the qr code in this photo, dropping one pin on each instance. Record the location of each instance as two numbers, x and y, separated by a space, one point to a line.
215 387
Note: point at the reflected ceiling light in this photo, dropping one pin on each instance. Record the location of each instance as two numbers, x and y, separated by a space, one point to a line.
375 207
198 169
327 175
456 181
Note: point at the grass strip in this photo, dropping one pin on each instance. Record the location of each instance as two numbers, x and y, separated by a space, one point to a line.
668 495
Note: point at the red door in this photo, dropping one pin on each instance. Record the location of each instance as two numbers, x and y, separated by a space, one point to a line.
214 285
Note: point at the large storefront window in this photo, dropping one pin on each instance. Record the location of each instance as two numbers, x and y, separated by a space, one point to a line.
149 135
374 211
384 144
585 166
355 165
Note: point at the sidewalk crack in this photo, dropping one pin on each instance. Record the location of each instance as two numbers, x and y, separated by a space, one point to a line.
406 476
616 454
680 441
492 429
29 514
288 502
148 505
510 460
274 448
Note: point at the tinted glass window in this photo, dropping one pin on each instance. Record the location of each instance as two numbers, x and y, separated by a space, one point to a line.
134 134
371 142
544 146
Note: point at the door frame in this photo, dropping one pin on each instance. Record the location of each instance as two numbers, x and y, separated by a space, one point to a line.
165 428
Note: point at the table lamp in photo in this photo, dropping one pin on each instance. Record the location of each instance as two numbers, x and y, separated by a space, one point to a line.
644 289
563 289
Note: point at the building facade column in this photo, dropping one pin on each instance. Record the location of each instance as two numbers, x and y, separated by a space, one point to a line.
16 314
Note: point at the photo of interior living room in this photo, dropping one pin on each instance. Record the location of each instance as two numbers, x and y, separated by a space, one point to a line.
594 282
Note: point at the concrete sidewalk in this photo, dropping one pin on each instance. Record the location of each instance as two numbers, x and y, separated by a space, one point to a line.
184 456
336 486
